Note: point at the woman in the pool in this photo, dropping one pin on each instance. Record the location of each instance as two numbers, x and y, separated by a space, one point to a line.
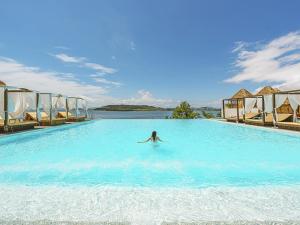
154 138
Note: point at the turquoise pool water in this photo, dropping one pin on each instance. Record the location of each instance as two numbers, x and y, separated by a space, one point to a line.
195 153
203 171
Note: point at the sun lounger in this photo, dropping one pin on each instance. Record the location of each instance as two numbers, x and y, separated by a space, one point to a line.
282 117
33 116
251 115
18 124
285 122
269 119
234 119
71 117
259 121
63 115
45 119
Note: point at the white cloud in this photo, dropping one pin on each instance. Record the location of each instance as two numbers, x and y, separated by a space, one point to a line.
105 81
239 45
99 68
14 73
132 45
69 59
146 97
97 75
82 62
276 62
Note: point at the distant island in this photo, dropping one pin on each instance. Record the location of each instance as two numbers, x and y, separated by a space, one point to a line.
144 108
129 108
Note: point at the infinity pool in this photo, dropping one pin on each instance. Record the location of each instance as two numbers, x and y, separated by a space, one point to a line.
203 170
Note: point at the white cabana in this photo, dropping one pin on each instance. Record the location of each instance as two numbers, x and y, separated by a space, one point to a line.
52 109
77 108
15 106
72 107
233 109
20 103
293 98
58 105
44 106
81 107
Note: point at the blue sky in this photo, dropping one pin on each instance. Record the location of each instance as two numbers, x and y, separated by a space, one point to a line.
150 52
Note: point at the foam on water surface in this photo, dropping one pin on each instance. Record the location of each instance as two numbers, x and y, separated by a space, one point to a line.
149 205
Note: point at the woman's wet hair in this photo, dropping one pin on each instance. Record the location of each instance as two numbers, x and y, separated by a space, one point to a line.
153 135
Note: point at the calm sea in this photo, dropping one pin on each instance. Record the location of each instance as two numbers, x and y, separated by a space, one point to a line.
95 114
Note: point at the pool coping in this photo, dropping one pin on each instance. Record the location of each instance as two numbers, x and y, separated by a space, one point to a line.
45 129
271 129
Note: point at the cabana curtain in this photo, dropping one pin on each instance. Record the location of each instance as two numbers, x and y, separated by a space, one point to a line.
259 104
294 102
279 100
19 103
29 101
15 105
58 105
249 104
81 107
232 112
268 100
44 104
72 106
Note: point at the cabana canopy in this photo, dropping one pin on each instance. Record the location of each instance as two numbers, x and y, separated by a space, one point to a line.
2 84
242 93
267 90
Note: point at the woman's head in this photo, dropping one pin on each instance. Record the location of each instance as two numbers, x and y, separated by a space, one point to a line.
153 135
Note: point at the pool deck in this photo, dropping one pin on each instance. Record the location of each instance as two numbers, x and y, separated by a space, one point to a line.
275 129
47 222
39 128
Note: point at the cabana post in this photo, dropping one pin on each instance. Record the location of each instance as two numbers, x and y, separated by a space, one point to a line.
5 111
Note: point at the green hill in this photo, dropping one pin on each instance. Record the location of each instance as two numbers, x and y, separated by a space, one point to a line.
129 108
